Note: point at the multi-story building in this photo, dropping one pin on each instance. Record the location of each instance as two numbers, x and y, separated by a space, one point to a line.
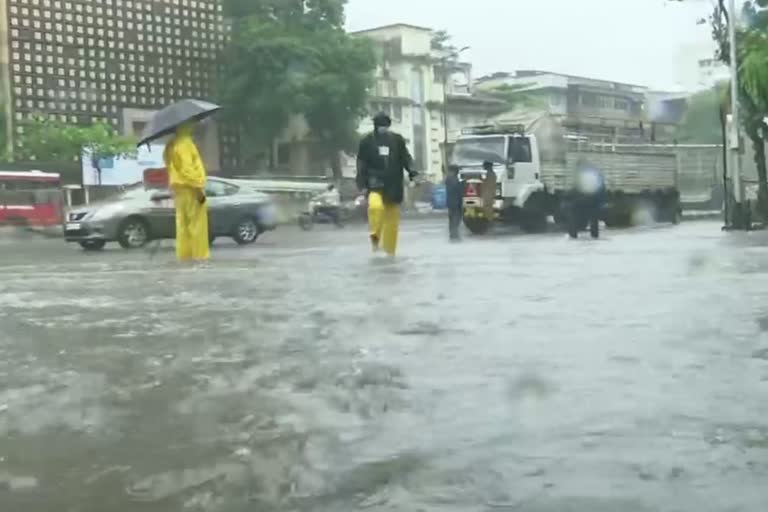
414 82
594 107
114 61
698 69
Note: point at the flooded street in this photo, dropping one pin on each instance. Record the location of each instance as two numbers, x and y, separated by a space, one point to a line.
301 374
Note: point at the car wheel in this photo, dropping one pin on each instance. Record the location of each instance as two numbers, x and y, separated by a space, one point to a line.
133 233
246 231
93 245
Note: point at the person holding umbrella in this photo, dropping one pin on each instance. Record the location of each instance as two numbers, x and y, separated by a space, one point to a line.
187 178
186 174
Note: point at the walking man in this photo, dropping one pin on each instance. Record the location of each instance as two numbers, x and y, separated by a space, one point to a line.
455 201
586 199
381 159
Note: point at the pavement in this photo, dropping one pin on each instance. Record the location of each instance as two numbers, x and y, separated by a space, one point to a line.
505 372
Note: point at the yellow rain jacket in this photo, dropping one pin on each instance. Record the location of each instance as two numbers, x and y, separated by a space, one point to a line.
187 177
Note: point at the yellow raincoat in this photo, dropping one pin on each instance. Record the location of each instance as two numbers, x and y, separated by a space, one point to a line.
187 177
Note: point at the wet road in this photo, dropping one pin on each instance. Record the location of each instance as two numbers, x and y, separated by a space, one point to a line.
302 374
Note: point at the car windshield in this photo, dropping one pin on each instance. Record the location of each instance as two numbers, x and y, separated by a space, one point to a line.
475 151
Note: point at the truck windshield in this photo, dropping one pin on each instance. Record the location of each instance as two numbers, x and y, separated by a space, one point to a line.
478 150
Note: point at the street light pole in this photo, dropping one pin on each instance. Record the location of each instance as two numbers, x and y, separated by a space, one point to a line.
734 139
444 62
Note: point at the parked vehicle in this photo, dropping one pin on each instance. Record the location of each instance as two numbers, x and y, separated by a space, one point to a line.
307 220
30 198
349 211
536 167
138 215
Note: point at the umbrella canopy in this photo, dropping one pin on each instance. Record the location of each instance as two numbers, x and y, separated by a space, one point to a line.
171 117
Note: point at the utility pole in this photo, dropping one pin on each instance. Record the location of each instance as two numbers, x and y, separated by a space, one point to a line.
734 136
444 65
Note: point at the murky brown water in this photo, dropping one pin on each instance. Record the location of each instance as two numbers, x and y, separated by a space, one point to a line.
515 373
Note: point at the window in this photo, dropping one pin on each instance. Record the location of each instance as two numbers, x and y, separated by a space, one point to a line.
215 188
589 99
520 149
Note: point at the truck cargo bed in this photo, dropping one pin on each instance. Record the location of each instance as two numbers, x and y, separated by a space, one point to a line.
629 172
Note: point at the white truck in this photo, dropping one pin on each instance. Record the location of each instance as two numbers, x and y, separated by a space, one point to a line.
536 167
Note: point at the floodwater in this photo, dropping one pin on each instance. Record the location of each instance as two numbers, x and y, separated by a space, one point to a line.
505 373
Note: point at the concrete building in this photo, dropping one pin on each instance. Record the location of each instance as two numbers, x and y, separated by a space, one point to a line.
413 79
113 61
698 69
596 108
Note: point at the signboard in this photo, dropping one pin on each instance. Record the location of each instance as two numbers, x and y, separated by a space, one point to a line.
123 171
156 179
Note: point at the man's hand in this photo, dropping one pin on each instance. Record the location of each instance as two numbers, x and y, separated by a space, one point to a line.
201 196
412 175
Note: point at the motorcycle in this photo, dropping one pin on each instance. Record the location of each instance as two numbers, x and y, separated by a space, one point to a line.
316 214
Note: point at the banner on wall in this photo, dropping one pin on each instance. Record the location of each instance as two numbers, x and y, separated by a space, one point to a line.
123 171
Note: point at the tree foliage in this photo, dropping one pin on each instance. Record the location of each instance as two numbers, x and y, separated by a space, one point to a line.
50 140
702 123
293 57
441 41
752 60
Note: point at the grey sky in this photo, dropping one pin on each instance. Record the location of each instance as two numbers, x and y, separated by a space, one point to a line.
635 41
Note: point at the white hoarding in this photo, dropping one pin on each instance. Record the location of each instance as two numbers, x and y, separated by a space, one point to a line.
123 171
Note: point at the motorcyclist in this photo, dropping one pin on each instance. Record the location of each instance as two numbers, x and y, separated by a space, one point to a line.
328 203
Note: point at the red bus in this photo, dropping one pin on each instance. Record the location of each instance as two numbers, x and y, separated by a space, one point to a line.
30 198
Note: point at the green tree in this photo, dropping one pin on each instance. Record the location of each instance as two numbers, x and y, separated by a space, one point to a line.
293 57
336 92
752 56
702 123
50 140
518 96
441 41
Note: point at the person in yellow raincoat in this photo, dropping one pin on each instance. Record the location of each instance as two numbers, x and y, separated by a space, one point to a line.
187 178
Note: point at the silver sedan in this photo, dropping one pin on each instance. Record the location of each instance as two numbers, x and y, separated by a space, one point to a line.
136 216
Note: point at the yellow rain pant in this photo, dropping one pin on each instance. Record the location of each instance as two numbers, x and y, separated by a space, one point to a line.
192 243
384 222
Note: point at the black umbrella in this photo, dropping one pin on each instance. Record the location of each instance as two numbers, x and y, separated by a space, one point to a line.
171 117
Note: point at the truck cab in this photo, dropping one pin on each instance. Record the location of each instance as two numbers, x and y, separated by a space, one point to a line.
514 155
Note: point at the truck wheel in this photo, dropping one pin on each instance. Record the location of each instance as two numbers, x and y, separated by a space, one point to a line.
534 222
477 225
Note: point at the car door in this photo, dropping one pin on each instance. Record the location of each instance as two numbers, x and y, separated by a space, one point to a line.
222 206
161 214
